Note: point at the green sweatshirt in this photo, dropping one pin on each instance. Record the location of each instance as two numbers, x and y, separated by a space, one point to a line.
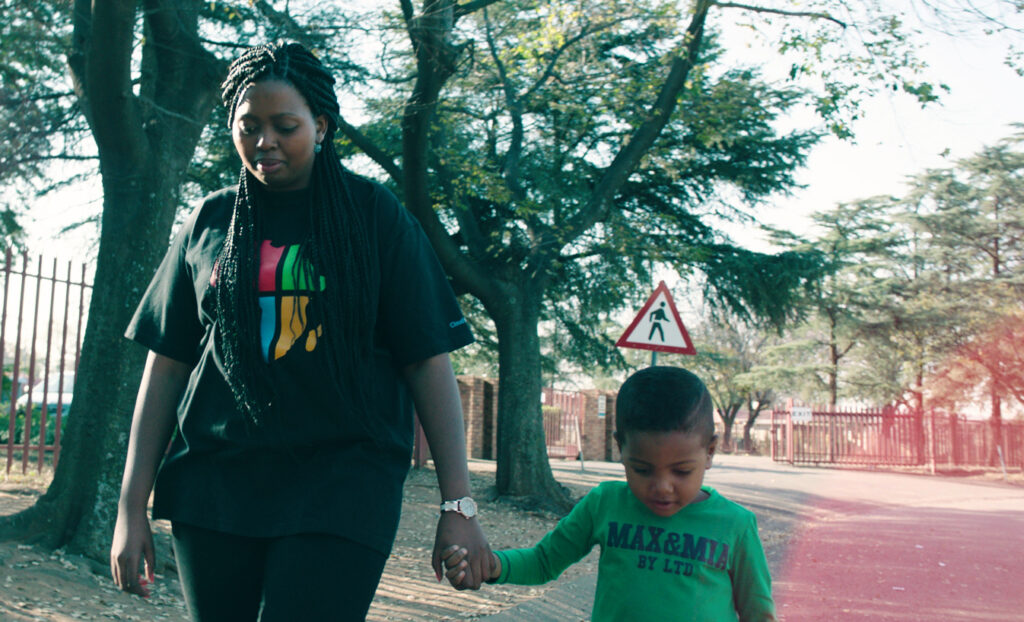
705 563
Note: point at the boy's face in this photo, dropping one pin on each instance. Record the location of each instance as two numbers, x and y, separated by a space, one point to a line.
665 470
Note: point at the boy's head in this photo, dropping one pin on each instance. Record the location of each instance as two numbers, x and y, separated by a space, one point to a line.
666 434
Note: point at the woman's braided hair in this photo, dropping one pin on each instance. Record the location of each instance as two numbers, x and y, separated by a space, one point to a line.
336 248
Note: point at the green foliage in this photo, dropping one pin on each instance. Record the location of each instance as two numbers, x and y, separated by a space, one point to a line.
729 355
920 303
12 233
758 285
215 165
850 53
35 98
40 119
577 93
19 424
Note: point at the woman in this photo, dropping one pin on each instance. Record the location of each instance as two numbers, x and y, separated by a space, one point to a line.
292 326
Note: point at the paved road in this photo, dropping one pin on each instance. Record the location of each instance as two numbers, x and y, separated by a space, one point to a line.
855 545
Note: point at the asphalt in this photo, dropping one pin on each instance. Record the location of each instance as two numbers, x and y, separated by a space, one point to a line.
853 545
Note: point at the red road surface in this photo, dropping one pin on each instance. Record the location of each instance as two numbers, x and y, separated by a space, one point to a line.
909 560
855 545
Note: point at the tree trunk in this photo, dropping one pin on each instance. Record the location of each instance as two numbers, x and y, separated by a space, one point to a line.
728 417
833 369
79 508
145 144
748 443
523 469
995 422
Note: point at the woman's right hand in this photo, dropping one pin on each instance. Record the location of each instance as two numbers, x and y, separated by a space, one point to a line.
132 545
154 420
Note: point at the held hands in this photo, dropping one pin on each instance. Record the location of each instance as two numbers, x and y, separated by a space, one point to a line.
132 545
455 561
454 531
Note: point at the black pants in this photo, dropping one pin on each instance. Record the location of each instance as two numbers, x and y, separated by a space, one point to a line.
227 578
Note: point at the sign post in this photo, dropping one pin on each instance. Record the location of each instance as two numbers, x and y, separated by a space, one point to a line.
658 327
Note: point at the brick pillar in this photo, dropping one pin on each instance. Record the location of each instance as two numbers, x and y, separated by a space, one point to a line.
611 447
479 408
489 429
471 395
597 424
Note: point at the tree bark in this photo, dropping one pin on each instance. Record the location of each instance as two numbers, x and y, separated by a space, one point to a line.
523 469
145 143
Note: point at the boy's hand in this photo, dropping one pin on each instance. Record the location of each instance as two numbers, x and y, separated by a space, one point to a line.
454 558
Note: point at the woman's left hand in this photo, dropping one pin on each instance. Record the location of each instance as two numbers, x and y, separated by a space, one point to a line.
455 529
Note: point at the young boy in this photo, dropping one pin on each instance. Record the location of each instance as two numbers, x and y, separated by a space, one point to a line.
671 548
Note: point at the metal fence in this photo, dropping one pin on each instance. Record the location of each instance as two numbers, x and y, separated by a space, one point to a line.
563 421
41 322
885 437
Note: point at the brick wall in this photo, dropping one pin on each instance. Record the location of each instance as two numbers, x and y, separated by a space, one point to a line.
479 398
480 412
598 424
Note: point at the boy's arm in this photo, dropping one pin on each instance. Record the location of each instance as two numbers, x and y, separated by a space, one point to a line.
454 558
751 580
570 541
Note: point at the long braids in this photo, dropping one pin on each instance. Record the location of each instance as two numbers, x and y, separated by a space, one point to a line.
337 250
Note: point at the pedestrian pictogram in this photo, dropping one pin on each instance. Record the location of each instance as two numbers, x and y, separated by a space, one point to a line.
658 326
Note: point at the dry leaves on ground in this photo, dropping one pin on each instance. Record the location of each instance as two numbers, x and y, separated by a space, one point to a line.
53 586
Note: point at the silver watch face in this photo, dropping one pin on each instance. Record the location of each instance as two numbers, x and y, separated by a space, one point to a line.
467 507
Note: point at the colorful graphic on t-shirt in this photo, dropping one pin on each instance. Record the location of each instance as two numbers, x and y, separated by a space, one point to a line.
284 296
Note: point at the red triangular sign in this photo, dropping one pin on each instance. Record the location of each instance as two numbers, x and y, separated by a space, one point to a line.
658 326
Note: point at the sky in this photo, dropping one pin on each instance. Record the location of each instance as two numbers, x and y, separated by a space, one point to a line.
895 139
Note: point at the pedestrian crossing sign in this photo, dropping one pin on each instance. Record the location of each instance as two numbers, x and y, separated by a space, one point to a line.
658 326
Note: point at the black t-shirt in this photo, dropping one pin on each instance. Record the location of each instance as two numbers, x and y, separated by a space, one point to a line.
312 468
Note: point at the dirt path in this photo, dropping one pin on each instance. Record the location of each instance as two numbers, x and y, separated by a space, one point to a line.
841 546
52 586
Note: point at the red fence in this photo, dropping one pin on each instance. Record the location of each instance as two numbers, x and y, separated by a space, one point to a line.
885 437
563 422
41 322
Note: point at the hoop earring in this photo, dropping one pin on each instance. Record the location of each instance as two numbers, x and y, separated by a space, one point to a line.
317 148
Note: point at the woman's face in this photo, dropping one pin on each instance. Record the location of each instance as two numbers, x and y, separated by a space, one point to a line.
274 132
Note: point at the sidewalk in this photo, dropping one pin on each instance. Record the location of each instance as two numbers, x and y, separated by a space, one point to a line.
854 545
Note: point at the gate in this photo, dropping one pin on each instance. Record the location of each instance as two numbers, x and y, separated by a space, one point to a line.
41 321
885 437
563 422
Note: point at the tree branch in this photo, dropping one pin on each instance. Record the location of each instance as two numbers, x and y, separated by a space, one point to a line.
469 225
471 7
367 146
550 69
408 13
643 136
106 61
56 156
430 34
515 110
287 23
758 9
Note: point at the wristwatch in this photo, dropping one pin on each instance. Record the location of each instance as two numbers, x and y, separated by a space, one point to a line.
465 506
